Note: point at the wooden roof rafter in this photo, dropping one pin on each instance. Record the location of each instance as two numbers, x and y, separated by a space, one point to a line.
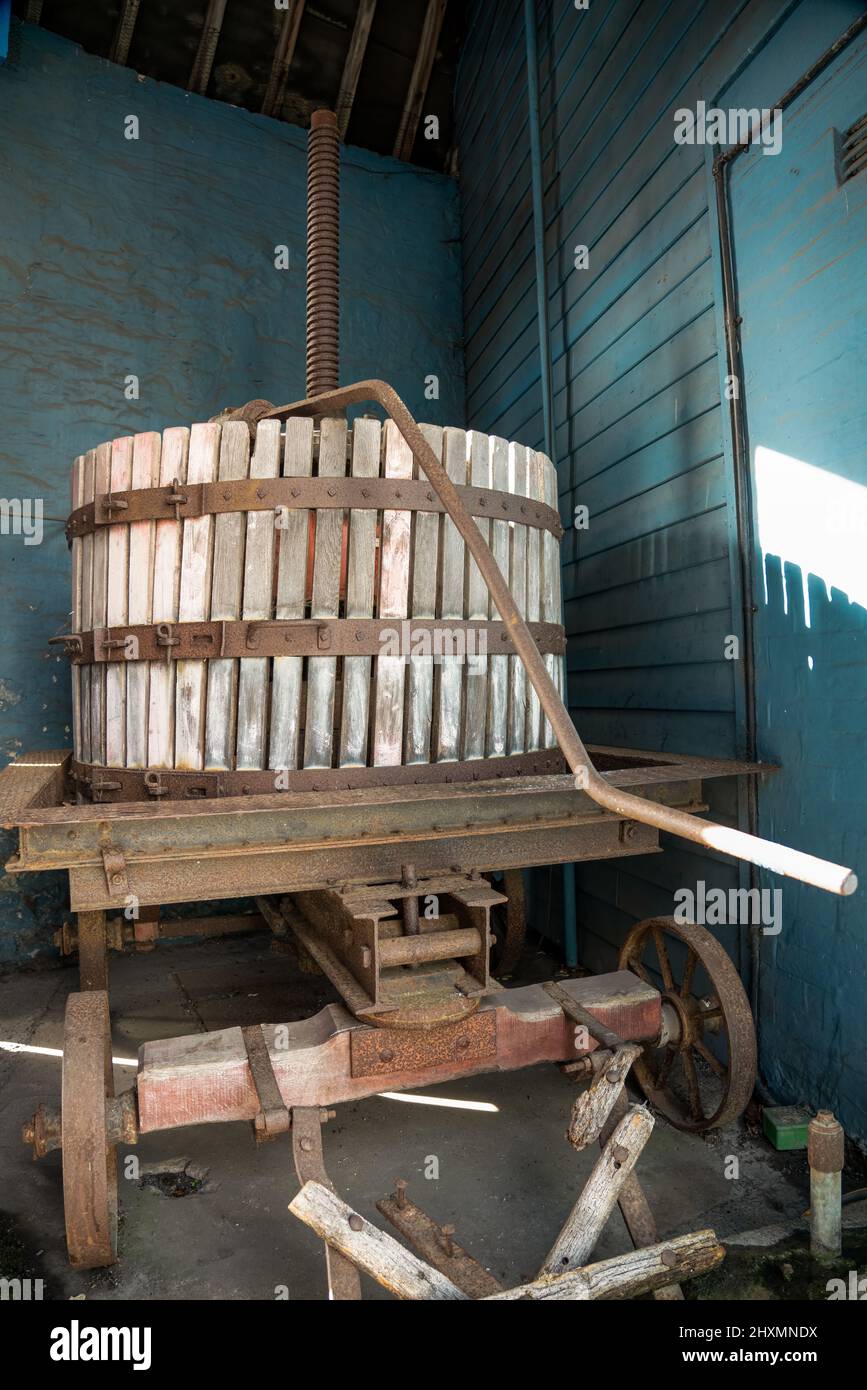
275 92
354 60
200 74
424 61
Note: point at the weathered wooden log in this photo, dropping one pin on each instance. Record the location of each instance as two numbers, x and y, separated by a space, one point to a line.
634 1206
371 1249
593 1106
577 1240
626 1276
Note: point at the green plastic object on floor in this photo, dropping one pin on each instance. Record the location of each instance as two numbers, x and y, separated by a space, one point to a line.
786 1126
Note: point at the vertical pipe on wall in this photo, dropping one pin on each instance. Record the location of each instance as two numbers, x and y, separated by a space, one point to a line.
570 935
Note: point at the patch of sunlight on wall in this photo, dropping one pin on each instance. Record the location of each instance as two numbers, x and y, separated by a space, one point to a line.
814 519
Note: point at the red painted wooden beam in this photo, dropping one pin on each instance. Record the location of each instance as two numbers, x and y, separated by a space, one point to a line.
331 1057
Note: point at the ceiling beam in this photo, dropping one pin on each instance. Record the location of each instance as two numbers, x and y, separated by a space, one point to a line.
272 102
424 61
119 51
33 13
352 66
200 75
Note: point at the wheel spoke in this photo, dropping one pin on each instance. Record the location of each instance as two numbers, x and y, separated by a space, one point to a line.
664 963
640 970
691 1076
665 1066
713 1062
688 972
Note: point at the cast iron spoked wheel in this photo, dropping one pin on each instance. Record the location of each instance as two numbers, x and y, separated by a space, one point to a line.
89 1156
696 1087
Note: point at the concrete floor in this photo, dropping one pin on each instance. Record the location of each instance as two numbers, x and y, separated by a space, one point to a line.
506 1178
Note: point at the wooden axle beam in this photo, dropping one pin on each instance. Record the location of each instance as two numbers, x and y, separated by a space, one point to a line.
331 1057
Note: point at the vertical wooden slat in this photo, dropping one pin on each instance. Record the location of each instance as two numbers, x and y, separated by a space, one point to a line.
551 604
423 605
99 608
498 666
194 602
117 609
478 608
534 589
451 605
518 585
226 587
77 501
393 603
258 602
291 601
361 566
322 670
164 603
88 469
145 473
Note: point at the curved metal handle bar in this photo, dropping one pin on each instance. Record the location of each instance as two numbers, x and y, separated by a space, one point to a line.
834 878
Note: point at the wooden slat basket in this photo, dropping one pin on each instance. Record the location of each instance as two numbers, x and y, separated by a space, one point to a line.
299 613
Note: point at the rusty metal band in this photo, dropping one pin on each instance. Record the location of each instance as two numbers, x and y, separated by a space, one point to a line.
410 637
186 501
109 784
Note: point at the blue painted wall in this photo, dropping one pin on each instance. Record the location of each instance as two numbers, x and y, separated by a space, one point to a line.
800 241
642 439
156 257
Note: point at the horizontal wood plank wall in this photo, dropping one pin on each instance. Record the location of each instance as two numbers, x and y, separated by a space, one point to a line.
636 378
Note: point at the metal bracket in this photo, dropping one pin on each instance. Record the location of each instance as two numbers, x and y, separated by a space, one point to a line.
343 1281
273 1116
114 864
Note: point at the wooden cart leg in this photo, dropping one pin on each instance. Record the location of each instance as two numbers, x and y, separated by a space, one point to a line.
92 951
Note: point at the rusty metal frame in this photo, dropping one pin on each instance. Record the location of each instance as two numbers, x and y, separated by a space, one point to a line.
246 637
187 501
834 878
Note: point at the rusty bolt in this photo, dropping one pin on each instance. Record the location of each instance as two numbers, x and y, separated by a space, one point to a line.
306 1145
355 1222
365 957
619 1153
446 1233
669 1259
400 1192
325 1115
386 1054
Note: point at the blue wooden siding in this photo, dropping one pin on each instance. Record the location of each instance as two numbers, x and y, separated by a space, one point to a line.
651 587
800 241
156 257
